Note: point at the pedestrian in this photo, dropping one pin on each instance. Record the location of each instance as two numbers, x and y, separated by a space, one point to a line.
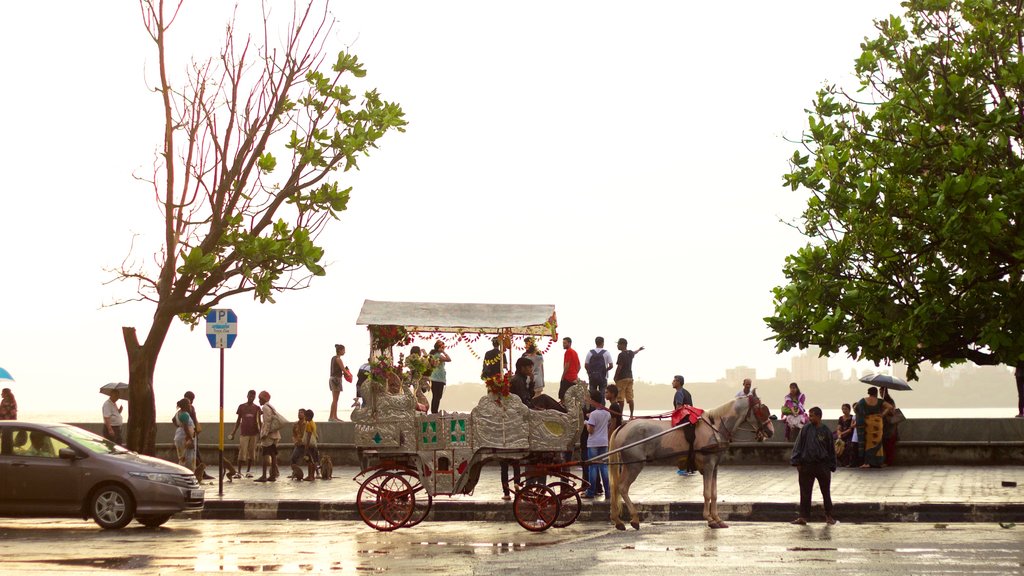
1018 376
8 405
682 397
615 407
570 368
598 362
871 414
493 361
597 445
310 439
814 456
112 420
438 377
845 430
298 445
890 427
249 419
339 372
624 372
361 376
184 435
793 413
191 397
538 365
745 389
270 435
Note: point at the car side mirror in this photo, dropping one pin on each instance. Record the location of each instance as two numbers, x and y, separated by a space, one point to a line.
67 454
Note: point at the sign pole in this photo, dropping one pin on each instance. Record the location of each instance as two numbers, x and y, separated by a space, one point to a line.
220 468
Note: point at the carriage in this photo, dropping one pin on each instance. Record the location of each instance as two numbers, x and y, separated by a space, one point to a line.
408 457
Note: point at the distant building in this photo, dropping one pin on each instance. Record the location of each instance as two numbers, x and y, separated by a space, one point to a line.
809 367
783 374
737 374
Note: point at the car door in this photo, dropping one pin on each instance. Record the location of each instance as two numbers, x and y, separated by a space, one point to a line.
5 457
38 480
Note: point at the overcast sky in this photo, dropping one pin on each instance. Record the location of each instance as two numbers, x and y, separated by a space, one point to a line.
620 160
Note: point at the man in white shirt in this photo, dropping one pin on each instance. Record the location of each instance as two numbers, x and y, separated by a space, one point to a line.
112 420
746 389
598 363
597 444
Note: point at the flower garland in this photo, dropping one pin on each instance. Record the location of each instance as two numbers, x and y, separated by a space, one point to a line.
379 369
420 366
499 385
384 337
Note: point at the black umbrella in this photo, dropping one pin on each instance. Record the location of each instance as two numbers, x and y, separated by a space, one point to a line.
886 381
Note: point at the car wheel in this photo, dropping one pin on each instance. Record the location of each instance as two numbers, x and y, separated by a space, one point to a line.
112 507
153 521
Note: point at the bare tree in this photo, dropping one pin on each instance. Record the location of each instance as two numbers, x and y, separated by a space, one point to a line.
234 221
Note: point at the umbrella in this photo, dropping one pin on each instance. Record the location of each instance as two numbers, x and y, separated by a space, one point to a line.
5 376
119 386
886 381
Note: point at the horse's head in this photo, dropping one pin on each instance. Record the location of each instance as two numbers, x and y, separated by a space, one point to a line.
760 417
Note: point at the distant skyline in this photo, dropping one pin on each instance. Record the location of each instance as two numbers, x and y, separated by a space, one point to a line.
621 161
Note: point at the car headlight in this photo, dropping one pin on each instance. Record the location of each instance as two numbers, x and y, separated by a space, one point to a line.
154 477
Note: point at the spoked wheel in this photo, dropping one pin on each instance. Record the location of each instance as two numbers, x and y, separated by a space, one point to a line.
570 503
422 501
385 501
536 507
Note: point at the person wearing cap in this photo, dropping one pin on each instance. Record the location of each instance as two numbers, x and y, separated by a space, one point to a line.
624 373
338 372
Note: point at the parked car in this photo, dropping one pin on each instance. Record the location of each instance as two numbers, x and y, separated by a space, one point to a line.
62 470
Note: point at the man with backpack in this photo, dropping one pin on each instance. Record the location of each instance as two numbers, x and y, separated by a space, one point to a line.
598 363
270 435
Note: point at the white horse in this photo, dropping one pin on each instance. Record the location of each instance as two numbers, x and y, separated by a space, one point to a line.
713 433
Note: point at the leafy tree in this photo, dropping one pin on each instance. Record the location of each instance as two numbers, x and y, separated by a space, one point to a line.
236 219
916 193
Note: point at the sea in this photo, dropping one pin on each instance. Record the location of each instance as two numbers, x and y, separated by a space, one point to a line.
828 414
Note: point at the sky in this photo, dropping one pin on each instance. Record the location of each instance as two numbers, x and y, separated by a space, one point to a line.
622 161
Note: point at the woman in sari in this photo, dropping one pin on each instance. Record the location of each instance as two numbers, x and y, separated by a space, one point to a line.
871 414
793 413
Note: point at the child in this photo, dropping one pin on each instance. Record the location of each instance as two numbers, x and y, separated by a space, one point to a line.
597 444
611 393
299 450
310 440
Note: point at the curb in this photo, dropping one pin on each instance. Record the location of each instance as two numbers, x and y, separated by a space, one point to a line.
598 512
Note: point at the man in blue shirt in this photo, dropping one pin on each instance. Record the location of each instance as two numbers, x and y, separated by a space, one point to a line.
682 396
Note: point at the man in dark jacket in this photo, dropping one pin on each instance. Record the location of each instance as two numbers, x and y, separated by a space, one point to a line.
814 456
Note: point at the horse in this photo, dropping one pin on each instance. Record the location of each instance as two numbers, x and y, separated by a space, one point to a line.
713 433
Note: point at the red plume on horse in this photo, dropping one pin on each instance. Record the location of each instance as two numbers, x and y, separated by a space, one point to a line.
641 440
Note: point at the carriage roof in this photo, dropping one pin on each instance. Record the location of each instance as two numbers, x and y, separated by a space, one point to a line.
441 317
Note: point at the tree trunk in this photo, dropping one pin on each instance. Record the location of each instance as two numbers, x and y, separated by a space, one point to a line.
141 435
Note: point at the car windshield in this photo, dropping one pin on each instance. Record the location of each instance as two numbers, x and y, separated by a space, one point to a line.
90 441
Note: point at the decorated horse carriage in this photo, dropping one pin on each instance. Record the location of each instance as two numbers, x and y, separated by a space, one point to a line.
408 457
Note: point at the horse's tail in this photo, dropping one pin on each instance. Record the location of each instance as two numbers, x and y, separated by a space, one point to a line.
614 470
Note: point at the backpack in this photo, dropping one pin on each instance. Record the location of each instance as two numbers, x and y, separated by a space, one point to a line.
597 364
277 422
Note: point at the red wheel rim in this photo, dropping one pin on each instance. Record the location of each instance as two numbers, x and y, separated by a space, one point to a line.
385 501
536 507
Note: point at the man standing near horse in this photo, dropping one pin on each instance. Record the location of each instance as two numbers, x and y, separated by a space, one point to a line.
598 363
624 372
814 455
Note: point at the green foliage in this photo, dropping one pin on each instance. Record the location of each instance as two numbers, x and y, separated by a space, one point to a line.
916 196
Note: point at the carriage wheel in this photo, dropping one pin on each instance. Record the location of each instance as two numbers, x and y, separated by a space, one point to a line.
422 501
570 503
536 507
385 501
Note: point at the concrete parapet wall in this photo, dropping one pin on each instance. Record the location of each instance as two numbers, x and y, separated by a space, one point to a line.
927 441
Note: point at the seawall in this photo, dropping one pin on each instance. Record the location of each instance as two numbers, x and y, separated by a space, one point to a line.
991 441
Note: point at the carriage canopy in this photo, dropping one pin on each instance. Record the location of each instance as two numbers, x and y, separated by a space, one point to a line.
441 317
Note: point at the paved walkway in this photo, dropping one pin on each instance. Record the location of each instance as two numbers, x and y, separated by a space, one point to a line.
940 494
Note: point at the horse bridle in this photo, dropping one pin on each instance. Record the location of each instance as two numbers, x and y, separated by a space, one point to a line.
760 432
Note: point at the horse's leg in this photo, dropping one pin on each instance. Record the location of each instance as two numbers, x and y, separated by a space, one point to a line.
631 473
708 477
615 471
714 498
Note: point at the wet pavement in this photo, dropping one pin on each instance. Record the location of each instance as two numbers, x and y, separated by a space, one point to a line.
746 493
186 546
